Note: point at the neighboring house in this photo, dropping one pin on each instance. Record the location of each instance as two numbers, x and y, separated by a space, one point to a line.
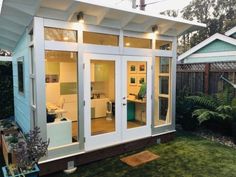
108 73
3 58
217 48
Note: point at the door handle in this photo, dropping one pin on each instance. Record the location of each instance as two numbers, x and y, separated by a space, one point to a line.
124 104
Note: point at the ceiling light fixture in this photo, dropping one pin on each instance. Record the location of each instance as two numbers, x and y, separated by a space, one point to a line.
155 29
127 44
80 17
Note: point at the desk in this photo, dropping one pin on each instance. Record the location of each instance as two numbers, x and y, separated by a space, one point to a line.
136 101
136 110
59 133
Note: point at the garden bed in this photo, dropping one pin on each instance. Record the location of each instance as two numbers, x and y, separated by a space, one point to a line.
216 137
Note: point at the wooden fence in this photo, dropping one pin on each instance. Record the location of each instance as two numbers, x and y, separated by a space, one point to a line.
205 77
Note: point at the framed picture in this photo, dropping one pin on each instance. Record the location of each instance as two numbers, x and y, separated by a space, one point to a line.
132 80
142 68
141 80
132 68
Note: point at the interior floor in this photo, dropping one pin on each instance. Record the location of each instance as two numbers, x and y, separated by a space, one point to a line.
102 125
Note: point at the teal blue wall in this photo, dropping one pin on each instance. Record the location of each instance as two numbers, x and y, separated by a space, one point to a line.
217 46
22 102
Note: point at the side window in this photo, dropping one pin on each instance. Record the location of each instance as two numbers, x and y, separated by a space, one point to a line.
20 70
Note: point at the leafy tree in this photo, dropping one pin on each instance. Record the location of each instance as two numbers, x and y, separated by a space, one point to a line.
4 53
218 15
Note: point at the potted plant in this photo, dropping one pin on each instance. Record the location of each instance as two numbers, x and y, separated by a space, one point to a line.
7 126
9 141
28 153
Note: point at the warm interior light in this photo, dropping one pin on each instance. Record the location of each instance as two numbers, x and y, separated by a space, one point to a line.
80 17
127 44
155 29
66 38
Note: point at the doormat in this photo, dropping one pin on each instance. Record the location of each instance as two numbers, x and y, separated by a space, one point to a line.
139 158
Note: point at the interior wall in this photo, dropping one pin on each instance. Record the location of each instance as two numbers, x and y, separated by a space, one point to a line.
67 74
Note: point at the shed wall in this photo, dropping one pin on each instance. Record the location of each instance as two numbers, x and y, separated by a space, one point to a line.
22 101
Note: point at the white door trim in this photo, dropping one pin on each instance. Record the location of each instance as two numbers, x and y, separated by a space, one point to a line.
107 139
143 131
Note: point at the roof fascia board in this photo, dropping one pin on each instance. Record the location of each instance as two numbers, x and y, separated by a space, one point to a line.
206 42
140 12
231 31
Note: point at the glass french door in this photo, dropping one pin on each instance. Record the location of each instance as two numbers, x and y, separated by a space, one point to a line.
117 93
136 97
102 101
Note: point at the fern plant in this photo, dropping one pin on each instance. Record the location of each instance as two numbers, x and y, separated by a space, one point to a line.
219 106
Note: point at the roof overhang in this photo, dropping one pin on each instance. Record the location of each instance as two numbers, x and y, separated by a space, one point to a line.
17 14
216 36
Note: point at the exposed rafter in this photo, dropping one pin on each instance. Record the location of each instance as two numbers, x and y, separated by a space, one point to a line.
101 16
126 20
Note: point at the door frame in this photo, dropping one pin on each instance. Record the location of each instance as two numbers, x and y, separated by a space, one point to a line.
143 131
106 139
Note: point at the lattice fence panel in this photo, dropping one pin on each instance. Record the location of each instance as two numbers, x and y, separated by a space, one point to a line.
223 67
191 67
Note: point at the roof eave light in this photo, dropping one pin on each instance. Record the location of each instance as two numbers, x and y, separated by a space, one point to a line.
80 17
155 29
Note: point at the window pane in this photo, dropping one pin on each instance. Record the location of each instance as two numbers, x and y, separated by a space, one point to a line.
161 91
163 45
56 34
136 92
133 42
164 85
103 100
61 97
100 39
164 64
20 68
163 110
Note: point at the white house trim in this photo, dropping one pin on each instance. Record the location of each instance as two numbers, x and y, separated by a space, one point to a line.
6 59
206 42
215 54
231 31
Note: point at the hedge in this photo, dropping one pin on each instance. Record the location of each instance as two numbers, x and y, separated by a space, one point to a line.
6 90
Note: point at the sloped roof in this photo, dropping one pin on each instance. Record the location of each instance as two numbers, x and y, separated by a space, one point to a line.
231 31
204 43
17 14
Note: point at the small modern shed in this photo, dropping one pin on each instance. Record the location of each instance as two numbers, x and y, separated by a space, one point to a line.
98 80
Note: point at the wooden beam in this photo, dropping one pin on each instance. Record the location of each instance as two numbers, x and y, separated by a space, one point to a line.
101 16
125 21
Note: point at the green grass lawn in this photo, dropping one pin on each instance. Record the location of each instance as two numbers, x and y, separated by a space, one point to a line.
187 156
